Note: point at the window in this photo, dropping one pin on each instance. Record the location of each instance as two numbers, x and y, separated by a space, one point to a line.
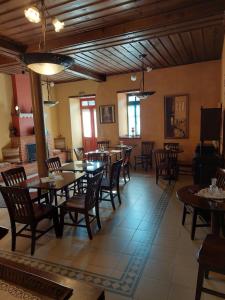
133 115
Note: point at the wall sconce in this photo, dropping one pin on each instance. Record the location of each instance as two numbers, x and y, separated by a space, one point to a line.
133 77
17 110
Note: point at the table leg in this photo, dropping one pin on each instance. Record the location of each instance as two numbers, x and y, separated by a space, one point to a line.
216 222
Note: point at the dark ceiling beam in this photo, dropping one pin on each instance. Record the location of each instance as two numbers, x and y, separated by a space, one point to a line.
85 73
131 28
11 48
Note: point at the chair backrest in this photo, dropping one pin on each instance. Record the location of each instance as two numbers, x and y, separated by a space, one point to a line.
220 176
53 163
13 176
98 156
79 152
104 144
147 147
160 156
127 154
19 204
93 188
115 173
171 146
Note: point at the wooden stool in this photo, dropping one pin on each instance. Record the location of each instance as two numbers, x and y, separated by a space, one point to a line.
210 258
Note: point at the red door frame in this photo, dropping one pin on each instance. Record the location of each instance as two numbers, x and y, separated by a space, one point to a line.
89 143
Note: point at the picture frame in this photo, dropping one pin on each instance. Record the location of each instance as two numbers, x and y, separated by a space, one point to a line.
176 115
107 114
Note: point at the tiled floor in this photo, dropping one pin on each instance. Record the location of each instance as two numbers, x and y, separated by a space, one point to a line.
142 251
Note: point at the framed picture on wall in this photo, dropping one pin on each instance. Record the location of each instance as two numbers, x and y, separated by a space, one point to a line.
176 116
107 114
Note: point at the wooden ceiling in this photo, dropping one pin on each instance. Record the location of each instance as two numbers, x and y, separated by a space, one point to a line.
106 37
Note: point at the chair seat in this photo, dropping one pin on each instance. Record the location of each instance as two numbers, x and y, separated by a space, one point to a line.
40 211
105 183
146 156
212 252
34 195
76 202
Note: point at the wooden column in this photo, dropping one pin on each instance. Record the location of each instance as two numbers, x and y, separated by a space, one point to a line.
39 125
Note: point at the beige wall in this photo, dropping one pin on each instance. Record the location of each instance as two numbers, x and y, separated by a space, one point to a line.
6 98
51 113
75 117
201 81
223 75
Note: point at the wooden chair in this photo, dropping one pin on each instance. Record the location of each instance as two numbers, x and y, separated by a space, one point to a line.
145 159
16 175
104 144
126 163
82 205
203 214
210 258
100 157
166 164
23 210
111 184
79 152
171 146
53 164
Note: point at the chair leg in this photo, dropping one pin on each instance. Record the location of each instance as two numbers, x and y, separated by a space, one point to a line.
62 213
118 194
135 162
207 274
33 238
88 225
199 283
13 230
193 227
124 175
56 223
184 215
112 200
97 216
128 172
157 177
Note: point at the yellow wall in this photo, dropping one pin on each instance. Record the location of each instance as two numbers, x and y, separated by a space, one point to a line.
6 98
201 81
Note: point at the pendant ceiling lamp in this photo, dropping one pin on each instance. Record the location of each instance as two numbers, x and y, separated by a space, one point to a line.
45 63
142 94
49 102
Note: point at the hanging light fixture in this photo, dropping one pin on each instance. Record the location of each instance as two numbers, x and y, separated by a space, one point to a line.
32 14
49 102
46 63
142 94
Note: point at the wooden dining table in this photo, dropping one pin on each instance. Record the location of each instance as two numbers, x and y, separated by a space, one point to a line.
188 195
89 167
111 153
59 184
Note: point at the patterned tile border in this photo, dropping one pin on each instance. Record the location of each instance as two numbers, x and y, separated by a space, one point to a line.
126 285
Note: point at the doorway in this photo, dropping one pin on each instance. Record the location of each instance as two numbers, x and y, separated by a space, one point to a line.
89 123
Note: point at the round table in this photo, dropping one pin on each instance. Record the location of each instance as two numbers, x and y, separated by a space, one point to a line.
187 195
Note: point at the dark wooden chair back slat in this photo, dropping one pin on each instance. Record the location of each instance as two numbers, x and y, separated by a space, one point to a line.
93 188
13 176
79 152
19 204
127 155
220 176
53 163
160 157
115 173
171 146
104 144
146 148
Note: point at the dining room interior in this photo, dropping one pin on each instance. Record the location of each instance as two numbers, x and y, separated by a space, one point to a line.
112 148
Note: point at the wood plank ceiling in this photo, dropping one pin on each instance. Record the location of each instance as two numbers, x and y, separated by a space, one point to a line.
106 37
